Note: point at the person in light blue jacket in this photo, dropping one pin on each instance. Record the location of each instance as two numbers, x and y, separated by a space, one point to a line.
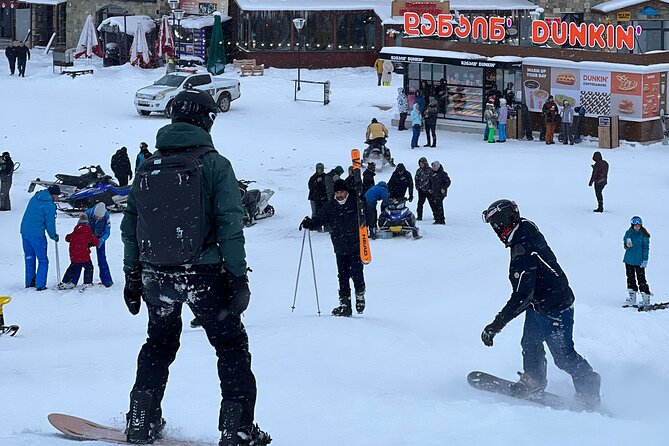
39 216
637 247
100 222
378 192
416 121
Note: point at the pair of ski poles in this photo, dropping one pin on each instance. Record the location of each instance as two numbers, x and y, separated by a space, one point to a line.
313 271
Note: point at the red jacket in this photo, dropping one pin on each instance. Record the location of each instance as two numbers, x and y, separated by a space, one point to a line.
81 240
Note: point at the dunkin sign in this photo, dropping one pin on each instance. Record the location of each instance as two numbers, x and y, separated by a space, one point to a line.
494 29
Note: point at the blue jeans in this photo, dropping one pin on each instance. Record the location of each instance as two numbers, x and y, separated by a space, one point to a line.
416 134
556 331
73 272
105 274
502 132
34 250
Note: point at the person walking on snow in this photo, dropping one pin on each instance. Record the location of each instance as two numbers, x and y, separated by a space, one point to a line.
211 278
378 67
599 178
22 56
342 217
80 240
490 116
503 115
416 121
402 107
637 247
422 181
99 221
6 174
387 75
541 291
38 218
120 165
10 53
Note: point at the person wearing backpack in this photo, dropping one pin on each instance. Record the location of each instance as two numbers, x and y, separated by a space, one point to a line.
177 253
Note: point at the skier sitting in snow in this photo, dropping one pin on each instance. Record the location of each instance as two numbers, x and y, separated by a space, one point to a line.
342 217
541 291
81 239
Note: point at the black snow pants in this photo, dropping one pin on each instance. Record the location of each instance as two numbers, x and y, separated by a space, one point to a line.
349 266
201 287
636 274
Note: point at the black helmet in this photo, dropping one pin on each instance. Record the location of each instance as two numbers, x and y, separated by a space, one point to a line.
194 107
503 216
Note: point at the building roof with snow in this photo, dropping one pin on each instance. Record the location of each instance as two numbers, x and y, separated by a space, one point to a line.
614 5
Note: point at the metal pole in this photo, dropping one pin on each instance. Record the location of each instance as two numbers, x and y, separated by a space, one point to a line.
57 263
299 58
299 266
313 271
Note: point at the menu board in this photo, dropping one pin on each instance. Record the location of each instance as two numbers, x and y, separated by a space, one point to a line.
631 96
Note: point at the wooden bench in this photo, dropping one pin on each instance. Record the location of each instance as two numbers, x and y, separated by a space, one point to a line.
77 72
252 70
239 63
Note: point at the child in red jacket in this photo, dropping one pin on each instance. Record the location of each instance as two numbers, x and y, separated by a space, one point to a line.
81 239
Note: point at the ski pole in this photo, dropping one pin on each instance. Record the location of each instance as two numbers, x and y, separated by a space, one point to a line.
313 271
57 262
299 266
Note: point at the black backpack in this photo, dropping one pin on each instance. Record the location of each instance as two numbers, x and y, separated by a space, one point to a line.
169 192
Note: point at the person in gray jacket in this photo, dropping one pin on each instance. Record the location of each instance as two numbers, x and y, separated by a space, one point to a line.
567 117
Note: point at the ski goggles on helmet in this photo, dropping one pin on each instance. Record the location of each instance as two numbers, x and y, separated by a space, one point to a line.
636 221
490 212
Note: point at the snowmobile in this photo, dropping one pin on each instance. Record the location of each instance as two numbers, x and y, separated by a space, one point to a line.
71 183
397 219
256 202
378 154
105 191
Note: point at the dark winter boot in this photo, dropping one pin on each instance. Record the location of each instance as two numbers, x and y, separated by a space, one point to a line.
249 436
527 385
360 301
434 142
233 434
144 423
420 216
344 308
587 392
600 207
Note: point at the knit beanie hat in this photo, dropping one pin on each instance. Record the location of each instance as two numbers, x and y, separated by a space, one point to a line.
99 210
54 189
340 185
339 170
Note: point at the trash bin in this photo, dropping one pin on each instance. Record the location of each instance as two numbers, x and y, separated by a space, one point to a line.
607 132
112 55
515 125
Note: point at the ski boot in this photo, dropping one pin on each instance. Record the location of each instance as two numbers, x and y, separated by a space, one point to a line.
344 308
527 385
232 434
645 299
360 301
139 430
631 297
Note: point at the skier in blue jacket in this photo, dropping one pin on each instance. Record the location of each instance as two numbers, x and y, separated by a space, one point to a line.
39 216
100 222
637 247
376 193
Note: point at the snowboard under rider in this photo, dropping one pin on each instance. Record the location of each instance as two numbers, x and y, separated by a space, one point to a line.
541 291
342 217
212 281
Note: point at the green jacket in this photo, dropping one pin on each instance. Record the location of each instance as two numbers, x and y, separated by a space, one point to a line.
223 208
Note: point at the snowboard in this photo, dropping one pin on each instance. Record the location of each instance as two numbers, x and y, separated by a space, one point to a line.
651 307
363 233
490 383
76 428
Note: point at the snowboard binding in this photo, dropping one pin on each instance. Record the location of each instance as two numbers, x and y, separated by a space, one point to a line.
140 429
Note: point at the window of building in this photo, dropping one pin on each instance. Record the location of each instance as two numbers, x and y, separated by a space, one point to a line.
651 38
270 30
356 31
318 31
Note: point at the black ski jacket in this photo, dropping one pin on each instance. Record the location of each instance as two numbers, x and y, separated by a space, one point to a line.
343 222
536 277
423 179
120 164
439 180
400 181
367 181
317 190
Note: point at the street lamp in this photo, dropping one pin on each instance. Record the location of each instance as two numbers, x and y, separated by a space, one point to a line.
299 24
174 4
178 14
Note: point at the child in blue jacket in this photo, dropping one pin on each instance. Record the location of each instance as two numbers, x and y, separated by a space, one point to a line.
637 246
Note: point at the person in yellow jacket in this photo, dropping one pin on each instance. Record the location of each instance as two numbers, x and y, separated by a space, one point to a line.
378 66
376 137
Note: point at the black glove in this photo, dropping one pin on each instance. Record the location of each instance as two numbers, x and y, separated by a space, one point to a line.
238 290
489 333
306 223
132 292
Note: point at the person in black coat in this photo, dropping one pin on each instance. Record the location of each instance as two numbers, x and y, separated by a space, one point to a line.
400 181
6 174
368 177
330 178
317 193
10 53
120 165
22 55
423 185
341 215
439 184
541 291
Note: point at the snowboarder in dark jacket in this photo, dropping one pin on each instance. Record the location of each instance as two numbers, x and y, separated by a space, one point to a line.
10 53
541 291
341 215
317 193
368 177
214 284
400 182
330 179
439 184
120 165
599 178
423 183
6 174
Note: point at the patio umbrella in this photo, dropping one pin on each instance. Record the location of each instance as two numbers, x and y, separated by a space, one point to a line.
165 42
88 41
139 50
216 58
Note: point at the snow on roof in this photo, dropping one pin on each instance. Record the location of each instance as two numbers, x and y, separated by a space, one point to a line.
491 5
381 7
615 5
43 2
200 21
405 51
130 21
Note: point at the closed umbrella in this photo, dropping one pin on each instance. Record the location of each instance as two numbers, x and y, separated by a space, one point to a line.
139 50
165 42
88 41
216 59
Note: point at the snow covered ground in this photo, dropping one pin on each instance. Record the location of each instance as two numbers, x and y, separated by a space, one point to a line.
395 376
